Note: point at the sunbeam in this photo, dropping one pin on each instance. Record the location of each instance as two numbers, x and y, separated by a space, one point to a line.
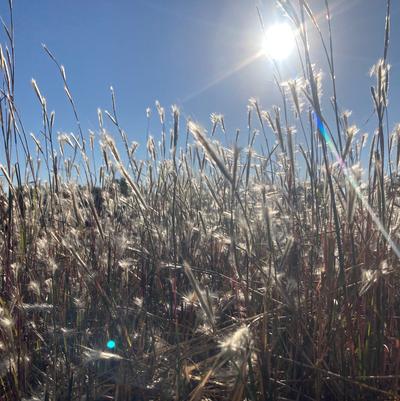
224 76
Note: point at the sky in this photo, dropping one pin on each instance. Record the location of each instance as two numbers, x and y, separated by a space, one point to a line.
199 55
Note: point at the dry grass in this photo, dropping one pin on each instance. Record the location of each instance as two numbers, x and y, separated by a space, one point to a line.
221 274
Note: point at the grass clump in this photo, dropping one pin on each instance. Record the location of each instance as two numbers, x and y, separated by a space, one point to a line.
221 273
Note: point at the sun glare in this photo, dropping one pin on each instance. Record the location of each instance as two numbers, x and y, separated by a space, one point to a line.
279 41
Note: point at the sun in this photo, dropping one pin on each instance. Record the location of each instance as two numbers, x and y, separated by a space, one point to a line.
279 41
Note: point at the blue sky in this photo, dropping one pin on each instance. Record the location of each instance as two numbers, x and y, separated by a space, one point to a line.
187 52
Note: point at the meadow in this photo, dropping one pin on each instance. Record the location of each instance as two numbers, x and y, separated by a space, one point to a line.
203 271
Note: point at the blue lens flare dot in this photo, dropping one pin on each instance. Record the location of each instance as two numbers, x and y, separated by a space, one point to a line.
111 344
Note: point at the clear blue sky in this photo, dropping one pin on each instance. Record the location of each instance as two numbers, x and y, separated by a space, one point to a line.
183 52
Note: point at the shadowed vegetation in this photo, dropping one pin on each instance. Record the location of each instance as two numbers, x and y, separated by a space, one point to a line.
266 272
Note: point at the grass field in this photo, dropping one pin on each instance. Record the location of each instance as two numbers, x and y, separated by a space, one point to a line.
220 273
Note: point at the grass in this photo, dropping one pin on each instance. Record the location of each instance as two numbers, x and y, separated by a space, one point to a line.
220 273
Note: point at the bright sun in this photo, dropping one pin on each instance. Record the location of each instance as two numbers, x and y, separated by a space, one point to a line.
279 41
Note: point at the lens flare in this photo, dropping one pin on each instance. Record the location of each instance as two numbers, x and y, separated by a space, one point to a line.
353 182
111 344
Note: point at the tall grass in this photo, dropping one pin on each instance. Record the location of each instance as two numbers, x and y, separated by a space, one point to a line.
221 273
